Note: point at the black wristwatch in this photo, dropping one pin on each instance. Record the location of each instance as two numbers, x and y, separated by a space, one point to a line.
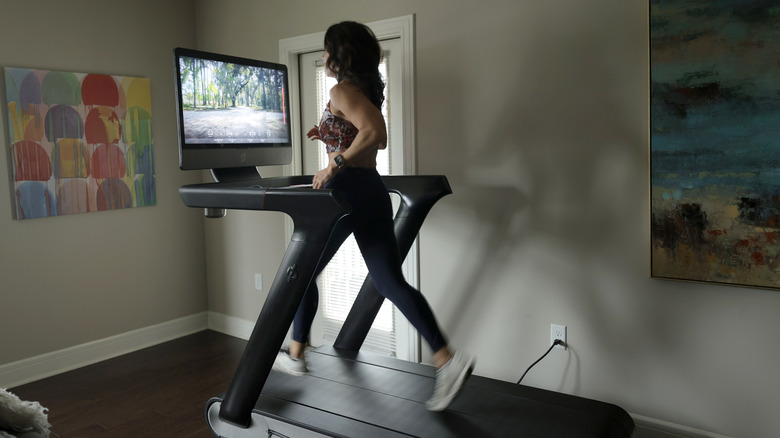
339 160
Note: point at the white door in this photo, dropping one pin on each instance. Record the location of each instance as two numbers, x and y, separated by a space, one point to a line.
339 283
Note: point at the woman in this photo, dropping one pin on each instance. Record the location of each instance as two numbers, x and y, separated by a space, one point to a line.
353 130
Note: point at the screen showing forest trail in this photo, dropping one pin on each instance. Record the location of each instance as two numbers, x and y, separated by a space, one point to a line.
234 125
225 103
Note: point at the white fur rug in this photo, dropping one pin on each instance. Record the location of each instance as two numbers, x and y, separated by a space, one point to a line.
17 416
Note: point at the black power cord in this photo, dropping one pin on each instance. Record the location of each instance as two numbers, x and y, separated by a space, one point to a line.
557 342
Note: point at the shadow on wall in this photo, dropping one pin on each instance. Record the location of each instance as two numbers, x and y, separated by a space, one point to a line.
562 162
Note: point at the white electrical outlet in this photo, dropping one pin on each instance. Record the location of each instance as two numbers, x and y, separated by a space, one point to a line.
258 282
558 332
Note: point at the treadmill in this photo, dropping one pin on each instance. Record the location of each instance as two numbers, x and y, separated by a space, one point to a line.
350 393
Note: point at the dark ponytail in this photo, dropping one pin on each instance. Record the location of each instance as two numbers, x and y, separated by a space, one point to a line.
355 55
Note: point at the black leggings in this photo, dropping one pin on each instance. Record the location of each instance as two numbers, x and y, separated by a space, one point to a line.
372 224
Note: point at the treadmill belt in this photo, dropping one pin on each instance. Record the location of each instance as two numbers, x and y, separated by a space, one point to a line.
363 395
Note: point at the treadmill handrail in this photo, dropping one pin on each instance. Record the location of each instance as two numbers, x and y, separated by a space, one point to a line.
307 207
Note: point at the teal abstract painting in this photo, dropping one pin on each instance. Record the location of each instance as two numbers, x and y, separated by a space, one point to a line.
715 141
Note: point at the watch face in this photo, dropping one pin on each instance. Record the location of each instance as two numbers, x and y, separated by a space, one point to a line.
339 160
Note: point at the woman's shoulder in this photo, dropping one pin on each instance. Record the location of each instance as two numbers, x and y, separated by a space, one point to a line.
345 95
345 90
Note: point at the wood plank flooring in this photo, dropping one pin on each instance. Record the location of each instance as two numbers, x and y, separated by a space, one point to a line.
160 391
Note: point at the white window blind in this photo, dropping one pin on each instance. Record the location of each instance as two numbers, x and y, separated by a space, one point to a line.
341 280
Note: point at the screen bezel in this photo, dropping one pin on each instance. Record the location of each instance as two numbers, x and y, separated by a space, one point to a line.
230 155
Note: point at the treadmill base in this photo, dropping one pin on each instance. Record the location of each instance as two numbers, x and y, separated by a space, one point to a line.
350 394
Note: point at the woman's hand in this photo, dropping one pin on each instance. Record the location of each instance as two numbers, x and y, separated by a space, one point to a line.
314 133
323 176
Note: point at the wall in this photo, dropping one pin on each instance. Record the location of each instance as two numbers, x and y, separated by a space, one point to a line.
538 114
75 279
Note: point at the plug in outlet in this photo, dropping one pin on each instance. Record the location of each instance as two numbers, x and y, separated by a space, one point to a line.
558 332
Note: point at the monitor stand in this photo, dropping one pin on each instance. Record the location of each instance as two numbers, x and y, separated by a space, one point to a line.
230 174
233 174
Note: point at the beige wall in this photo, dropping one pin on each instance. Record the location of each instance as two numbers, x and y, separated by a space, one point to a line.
74 279
537 111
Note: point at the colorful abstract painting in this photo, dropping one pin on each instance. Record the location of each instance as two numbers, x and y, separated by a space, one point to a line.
715 140
79 142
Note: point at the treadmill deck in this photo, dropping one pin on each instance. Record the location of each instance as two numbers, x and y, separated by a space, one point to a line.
348 394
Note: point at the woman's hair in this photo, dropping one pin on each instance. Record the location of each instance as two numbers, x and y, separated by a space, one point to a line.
354 54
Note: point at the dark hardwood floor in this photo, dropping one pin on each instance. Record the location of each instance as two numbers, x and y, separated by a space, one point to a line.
160 391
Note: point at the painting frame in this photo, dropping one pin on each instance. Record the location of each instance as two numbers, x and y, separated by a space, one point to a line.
78 142
715 141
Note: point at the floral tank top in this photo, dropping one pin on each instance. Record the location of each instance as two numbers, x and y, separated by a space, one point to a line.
337 133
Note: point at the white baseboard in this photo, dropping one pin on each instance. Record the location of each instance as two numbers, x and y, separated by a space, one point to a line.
652 428
48 364
230 325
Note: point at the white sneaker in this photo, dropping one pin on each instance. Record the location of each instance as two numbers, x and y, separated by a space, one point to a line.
289 365
450 379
